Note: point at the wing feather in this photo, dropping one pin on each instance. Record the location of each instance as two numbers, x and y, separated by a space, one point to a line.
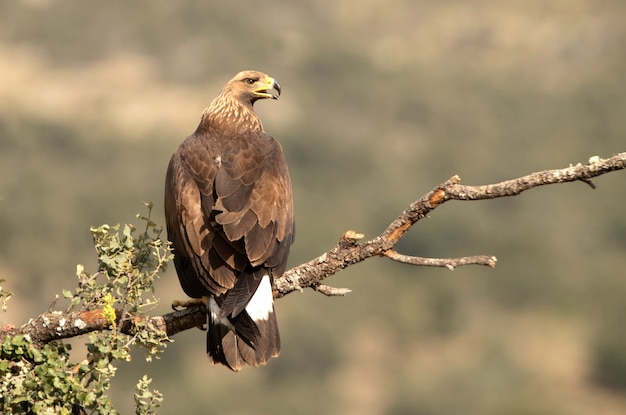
239 227
259 243
228 208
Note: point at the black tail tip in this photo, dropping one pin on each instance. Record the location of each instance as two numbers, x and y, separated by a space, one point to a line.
247 342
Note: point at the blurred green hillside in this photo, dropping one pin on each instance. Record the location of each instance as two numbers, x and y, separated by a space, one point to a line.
381 101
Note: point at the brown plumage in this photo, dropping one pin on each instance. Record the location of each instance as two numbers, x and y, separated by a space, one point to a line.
229 215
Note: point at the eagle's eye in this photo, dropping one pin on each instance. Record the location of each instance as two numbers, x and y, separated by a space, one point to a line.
250 81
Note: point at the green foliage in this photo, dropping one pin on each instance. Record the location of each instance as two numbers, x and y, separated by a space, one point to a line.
146 400
127 266
43 380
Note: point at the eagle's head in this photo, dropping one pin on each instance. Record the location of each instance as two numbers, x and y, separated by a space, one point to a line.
250 86
232 110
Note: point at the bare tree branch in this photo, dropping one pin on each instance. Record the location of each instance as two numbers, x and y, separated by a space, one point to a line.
329 291
349 250
56 325
449 263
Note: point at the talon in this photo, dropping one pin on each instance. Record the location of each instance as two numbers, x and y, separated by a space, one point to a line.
191 302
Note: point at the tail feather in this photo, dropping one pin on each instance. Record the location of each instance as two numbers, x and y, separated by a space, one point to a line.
250 337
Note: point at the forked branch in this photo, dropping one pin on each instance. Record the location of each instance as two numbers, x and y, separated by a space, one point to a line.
350 251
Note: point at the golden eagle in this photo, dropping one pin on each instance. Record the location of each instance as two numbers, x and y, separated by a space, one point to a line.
229 215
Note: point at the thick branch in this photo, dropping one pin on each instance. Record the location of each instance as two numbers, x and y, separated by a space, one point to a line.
55 325
348 251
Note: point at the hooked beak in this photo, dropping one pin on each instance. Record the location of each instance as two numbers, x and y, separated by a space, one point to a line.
269 88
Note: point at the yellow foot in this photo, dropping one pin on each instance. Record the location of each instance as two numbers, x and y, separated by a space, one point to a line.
178 305
190 302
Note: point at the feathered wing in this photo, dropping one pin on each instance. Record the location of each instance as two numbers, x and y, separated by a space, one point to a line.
229 216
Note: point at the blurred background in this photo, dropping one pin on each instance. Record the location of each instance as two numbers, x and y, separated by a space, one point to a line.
382 100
